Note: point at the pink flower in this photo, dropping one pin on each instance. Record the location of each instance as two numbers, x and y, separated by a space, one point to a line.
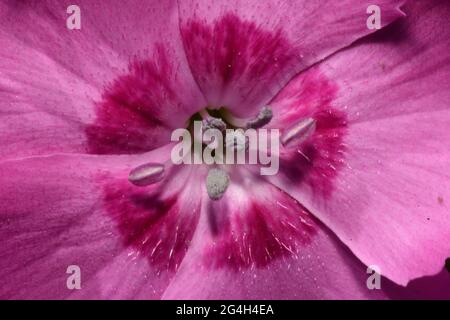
80 109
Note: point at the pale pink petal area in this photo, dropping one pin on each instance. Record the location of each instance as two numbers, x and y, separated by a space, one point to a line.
386 163
243 52
57 211
117 85
258 243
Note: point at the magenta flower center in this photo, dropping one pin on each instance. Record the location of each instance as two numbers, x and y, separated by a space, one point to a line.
131 119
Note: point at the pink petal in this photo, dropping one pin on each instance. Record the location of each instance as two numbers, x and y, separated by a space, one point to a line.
265 245
389 196
142 107
157 221
254 228
71 90
53 215
318 159
242 53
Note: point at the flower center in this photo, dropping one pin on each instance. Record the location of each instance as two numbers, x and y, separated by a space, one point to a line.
235 141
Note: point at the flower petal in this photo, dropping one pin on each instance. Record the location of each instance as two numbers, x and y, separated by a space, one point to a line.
265 245
111 87
242 53
389 197
53 215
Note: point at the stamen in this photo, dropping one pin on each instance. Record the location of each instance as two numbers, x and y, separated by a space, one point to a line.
214 123
217 183
263 118
146 174
299 132
210 122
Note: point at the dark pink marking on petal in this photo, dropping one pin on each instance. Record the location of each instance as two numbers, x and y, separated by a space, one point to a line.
266 230
237 55
319 160
132 116
159 227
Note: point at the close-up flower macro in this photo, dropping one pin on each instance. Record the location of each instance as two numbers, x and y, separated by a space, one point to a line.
216 150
